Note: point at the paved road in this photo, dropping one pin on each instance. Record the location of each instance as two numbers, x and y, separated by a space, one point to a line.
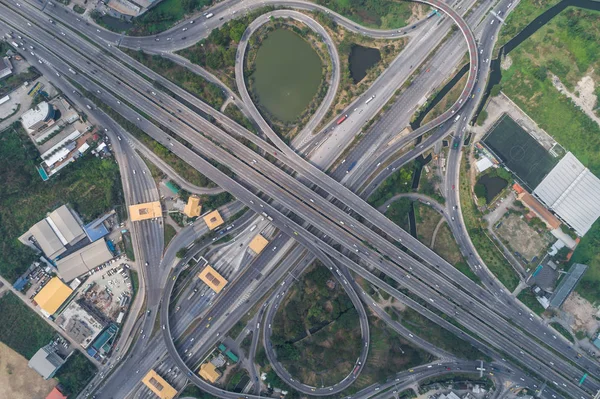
347 243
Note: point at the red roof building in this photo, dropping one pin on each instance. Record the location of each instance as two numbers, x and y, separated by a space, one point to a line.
56 394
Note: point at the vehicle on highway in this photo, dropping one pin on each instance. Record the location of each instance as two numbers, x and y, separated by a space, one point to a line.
370 99
210 15
352 165
342 119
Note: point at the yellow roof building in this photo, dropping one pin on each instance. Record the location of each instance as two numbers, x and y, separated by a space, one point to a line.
209 372
193 207
148 210
258 243
54 294
158 385
214 280
213 219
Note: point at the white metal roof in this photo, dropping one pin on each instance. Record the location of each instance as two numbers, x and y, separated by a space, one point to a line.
47 239
84 260
572 192
36 114
67 225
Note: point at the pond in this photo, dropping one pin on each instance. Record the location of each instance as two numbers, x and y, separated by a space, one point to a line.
493 185
287 74
360 60
116 24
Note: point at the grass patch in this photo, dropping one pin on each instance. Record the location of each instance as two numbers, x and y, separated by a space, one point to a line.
246 343
12 82
398 212
475 225
446 247
444 104
528 299
383 14
320 326
21 328
91 186
399 182
389 353
438 336
567 47
588 254
523 14
75 374
206 91
235 114
192 391
427 220
563 331
170 232
78 9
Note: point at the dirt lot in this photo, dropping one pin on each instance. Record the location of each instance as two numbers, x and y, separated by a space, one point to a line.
17 380
583 313
521 237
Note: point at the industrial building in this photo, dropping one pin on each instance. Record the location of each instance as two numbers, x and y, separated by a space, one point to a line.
571 191
5 67
192 208
52 296
46 361
39 117
214 280
213 219
148 210
159 386
567 284
209 372
83 260
258 243
53 234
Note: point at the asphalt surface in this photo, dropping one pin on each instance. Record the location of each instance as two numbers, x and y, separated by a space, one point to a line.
291 205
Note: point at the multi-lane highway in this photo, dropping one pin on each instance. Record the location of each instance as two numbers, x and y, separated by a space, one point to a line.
484 314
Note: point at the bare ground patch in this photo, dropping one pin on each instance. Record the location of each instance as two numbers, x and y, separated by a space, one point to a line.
17 380
520 236
583 313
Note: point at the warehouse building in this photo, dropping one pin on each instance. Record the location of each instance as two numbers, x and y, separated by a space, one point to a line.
59 230
571 191
52 296
84 260
567 284
213 279
213 219
5 67
46 361
148 210
193 207
159 386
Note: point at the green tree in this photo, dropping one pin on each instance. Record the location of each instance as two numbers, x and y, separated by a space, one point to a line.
181 253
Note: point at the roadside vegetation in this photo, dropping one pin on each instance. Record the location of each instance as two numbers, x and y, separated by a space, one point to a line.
562 331
91 186
438 336
235 114
206 91
528 299
75 374
21 328
389 353
157 19
316 333
217 52
383 14
444 104
491 255
397 183
522 15
13 82
170 232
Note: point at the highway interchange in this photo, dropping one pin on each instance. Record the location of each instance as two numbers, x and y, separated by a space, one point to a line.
485 312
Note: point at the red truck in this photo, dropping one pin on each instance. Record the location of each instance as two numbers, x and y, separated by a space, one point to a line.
342 119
